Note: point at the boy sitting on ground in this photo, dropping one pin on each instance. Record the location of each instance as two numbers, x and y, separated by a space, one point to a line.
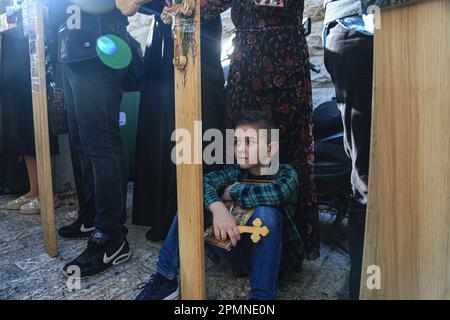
273 202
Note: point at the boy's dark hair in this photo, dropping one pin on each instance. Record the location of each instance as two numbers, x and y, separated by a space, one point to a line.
256 118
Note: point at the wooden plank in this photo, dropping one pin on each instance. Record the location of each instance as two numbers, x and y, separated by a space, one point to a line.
408 216
190 176
41 132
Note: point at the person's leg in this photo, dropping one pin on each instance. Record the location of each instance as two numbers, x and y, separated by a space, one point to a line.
169 259
266 255
82 167
349 60
163 285
356 227
97 94
96 109
30 163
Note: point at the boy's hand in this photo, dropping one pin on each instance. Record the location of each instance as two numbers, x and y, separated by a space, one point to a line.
226 194
224 223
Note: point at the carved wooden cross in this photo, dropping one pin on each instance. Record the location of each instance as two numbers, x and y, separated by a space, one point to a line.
257 231
33 11
188 106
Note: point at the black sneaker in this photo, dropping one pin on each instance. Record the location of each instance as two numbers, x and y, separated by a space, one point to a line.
76 230
160 288
101 254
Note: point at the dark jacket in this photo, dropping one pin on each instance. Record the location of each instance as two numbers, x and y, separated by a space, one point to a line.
80 44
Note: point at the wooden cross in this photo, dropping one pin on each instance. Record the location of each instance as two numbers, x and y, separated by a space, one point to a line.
34 22
188 106
257 231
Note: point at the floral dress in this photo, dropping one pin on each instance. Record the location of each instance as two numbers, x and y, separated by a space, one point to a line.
269 71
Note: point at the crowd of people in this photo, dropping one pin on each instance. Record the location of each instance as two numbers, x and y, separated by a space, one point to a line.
268 87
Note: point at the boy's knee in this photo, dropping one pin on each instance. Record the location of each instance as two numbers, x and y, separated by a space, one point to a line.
270 216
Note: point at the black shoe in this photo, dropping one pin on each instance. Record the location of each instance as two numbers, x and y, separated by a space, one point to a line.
160 288
101 254
76 230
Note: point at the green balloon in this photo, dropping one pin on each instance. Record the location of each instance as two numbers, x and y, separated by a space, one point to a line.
114 51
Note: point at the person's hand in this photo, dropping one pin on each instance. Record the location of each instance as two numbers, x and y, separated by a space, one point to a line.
130 7
226 194
202 3
224 223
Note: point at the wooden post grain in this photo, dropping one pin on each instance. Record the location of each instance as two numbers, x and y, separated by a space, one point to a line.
40 116
408 216
190 176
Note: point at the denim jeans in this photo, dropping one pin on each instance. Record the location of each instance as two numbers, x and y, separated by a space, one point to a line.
261 260
93 93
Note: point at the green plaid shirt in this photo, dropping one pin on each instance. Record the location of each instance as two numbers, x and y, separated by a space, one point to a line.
281 191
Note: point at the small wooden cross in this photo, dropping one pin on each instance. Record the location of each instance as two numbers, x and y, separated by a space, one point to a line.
257 230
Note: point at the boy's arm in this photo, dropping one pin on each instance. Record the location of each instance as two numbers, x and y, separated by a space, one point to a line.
277 193
214 181
223 221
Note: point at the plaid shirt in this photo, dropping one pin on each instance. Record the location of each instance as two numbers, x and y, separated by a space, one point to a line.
281 191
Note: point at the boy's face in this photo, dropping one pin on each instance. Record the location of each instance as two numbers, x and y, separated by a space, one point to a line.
251 147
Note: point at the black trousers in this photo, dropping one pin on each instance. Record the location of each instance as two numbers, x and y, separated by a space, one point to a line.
349 60
93 93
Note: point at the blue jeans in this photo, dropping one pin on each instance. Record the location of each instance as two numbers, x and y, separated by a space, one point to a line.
93 94
262 260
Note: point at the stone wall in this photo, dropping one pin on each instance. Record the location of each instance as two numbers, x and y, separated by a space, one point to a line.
323 89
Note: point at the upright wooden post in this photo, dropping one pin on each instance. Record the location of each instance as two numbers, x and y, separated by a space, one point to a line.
190 176
34 22
407 241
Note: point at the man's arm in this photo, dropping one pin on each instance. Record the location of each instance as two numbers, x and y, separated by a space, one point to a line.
277 193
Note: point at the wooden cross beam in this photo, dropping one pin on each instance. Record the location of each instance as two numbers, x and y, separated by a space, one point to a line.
188 104
34 19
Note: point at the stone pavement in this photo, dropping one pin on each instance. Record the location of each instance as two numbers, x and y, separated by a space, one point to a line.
27 272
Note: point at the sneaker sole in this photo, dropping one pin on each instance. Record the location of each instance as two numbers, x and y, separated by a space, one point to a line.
75 238
174 296
29 212
115 263
37 211
13 207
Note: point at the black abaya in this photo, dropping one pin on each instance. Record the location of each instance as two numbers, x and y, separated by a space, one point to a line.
155 194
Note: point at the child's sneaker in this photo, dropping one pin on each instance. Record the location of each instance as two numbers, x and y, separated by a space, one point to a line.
160 288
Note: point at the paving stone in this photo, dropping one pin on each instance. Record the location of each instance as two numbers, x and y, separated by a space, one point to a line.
27 272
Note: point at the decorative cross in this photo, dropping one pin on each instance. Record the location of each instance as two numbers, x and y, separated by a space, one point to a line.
182 11
257 231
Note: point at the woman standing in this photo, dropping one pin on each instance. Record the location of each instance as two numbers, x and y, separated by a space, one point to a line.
270 72
155 188
17 136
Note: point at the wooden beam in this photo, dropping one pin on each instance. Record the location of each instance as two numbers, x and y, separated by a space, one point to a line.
35 19
408 216
190 176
